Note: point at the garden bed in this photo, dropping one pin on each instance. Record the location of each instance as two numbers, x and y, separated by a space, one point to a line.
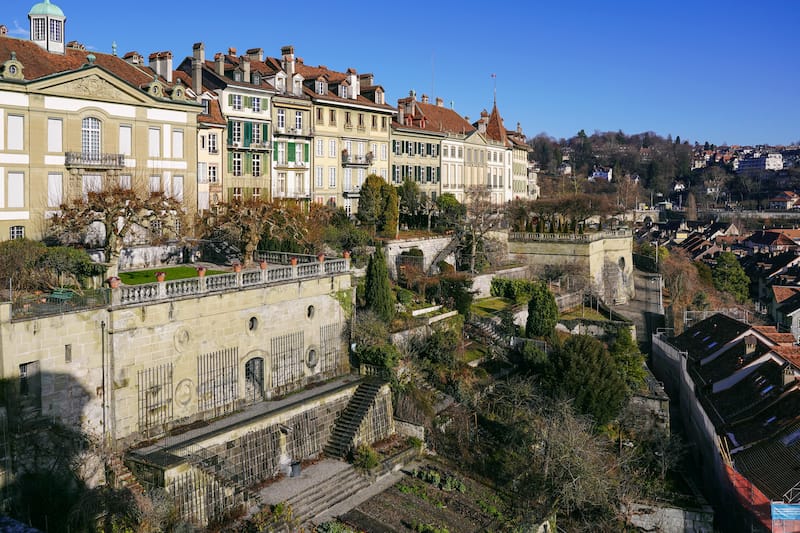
140 277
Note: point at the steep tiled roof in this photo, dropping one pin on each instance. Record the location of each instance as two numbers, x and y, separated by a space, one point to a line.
39 63
495 129
781 293
214 115
708 336
437 118
774 335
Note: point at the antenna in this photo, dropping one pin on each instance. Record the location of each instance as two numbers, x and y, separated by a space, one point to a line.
433 75
494 79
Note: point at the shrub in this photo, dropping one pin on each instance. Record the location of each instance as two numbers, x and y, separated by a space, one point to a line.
404 296
365 457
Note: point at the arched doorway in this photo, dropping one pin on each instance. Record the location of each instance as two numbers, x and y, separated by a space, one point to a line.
254 379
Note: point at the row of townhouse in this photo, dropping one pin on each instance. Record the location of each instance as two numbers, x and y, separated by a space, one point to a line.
234 127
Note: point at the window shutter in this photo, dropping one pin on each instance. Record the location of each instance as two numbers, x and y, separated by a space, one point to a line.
265 133
248 133
230 161
248 163
290 149
248 102
230 133
305 153
275 151
230 100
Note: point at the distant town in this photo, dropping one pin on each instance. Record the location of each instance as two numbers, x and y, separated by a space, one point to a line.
248 293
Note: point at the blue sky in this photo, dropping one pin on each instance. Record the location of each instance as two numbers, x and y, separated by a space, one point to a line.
723 72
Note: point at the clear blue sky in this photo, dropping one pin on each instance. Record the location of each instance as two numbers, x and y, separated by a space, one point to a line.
725 72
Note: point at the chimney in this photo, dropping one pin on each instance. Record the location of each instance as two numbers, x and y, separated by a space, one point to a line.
439 102
400 113
750 344
287 53
219 63
3 30
368 80
519 128
198 60
788 376
161 63
245 61
352 78
232 51
255 54
424 98
134 58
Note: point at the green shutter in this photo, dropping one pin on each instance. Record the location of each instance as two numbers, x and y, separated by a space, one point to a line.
248 102
230 133
275 151
248 163
265 133
290 152
305 152
230 162
230 100
248 133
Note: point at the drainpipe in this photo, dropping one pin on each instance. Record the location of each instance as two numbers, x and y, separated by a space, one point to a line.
103 381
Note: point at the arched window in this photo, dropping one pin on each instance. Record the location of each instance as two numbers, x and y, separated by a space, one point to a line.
254 379
90 136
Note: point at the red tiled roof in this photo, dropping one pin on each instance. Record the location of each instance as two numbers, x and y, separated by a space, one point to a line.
39 63
437 118
495 129
782 293
771 333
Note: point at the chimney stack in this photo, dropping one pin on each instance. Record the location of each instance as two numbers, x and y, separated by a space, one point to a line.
161 63
287 53
439 102
424 98
232 51
400 113
198 60
245 69
255 54
219 63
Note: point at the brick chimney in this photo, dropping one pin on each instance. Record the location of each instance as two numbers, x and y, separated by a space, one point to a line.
287 54
439 102
245 62
161 63
198 60
424 98
255 54
219 63
232 51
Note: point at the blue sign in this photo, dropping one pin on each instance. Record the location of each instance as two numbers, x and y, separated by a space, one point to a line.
785 511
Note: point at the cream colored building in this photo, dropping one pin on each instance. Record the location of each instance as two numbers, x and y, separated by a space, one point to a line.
72 121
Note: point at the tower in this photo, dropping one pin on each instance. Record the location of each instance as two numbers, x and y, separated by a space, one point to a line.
47 26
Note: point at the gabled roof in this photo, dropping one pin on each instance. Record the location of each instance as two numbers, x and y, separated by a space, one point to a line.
436 118
774 335
495 129
710 335
782 293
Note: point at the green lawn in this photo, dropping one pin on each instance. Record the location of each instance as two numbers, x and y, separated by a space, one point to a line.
490 306
587 312
139 277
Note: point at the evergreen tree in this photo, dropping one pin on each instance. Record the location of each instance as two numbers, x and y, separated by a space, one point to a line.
542 312
390 215
629 358
377 292
370 201
730 277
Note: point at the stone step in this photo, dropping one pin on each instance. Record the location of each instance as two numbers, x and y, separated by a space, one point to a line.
311 493
323 498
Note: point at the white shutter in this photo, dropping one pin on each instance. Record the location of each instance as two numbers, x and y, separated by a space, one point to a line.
16 196
54 144
55 189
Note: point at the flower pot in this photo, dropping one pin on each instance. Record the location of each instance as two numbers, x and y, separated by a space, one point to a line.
237 267
293 261
346 254
320 257
262 265
161 276
114 282
201 272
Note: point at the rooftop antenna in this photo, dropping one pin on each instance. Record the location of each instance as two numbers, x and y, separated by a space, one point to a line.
433 74
113 48
494 79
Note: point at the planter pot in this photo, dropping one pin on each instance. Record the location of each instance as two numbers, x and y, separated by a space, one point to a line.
114 282
201 272
320 257
237 267
262 265
161 276
346 254
293 261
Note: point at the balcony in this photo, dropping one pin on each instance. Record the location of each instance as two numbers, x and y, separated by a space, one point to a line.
356 160
291 165
259 146
94 160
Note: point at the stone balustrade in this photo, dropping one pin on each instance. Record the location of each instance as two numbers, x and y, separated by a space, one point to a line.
164 290
569 237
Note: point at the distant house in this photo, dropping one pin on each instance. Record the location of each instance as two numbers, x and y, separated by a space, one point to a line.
601 174
678 186
785 200
770 241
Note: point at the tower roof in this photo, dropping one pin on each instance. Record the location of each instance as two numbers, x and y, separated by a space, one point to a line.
47 9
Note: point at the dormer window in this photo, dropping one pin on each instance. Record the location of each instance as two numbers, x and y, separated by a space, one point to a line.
343 91
205 107
39 31
281 83
237 76
320 87
256 78
56 33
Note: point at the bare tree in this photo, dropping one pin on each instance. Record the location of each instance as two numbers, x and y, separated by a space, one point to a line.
114 216
481 217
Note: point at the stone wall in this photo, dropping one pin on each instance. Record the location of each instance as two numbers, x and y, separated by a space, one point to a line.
146 367
666 519
430 247
378 424
482 284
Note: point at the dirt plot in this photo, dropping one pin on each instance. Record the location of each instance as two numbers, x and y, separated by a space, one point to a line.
434 496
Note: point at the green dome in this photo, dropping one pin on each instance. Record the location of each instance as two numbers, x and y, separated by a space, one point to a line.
46 9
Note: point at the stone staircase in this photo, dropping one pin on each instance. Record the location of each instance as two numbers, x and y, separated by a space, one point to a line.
122 477
313 501
486 330
346 426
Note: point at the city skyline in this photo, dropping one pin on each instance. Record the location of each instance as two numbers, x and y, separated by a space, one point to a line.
702 72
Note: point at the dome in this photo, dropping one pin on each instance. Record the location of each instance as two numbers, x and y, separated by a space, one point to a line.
46 9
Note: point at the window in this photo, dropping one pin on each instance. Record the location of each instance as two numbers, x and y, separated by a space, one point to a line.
318 178
237 164
383 123
319 151
236 132
125 136
16 191
212 143
361 120
348 145
90 136
298 152
154 142
29 380
39 32
361 146
384 151
298 120
332 148
256 101
202 200
177 144
155 184
256 165
256 134
361 174
202 142
55 189
282 183
15 132
320 120
348 179
374 122
55 31
320 87
177 188
212 173
54 135
281 119
236 102
281 153
205 107
347 121
125 181
256 193
343 91
331 177
237 193
332 117
17 232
